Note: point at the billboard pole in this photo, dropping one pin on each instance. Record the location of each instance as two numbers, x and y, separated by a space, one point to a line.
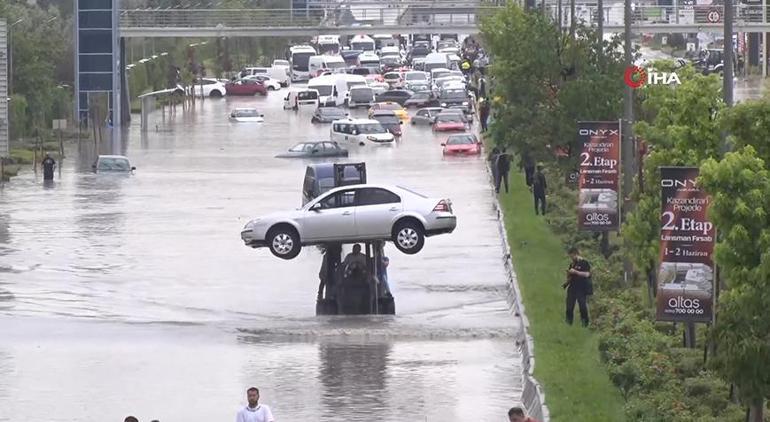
626 129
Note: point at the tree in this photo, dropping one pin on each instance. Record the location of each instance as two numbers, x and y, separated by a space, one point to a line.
681 129
740 209
546 81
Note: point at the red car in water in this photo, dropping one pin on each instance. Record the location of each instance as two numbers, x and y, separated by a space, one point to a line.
450 123
246 87
462 144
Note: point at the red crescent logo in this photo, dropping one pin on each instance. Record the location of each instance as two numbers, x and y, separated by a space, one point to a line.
635 76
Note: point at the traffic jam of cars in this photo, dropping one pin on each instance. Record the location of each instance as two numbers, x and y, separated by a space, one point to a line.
365 91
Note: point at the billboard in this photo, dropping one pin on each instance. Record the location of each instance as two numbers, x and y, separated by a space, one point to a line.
599 176
686 274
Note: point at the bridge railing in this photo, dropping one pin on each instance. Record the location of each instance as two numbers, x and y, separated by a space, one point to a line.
645 15
413 14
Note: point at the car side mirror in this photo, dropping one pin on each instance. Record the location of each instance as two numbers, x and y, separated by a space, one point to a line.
133 168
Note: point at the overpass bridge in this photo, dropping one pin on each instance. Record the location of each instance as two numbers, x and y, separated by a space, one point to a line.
436 17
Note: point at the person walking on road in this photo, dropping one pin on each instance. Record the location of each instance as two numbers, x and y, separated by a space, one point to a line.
539 187
484 114
517 414
254 412
503 164
492 158
578 286
48 166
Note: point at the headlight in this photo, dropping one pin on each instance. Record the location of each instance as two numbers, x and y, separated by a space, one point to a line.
443 104
465 103
371 138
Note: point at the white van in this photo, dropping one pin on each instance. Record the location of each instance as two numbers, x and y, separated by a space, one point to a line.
360 96
327 89
437 60
363 43
298 98
360 131
280 73
322 63
366 59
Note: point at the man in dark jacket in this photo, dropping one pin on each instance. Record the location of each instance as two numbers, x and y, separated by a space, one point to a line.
48 165
484 114
503 167
529 167
577 285
538 189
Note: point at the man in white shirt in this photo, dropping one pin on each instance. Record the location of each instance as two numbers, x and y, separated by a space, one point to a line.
254 412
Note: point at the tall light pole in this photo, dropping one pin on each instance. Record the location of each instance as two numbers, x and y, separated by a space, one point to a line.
727 80
627 149
10 56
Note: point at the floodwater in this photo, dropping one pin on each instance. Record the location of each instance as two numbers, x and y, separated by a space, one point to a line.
135 295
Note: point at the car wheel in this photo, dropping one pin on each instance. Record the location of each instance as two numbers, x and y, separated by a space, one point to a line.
408 237
215 94
283 242
271 88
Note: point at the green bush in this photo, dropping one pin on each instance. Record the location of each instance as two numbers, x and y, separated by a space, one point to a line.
659 379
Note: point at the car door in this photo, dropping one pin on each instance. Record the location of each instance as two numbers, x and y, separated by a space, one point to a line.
327 149
333 217
376 209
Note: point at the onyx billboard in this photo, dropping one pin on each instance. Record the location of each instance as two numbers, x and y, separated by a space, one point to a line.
599 176
686 274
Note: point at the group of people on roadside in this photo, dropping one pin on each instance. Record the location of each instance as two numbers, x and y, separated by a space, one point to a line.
578 284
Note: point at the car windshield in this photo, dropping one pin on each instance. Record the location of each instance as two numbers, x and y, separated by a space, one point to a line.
336 65
390 60
246 113
331 112
453 94
387 119
298 147
371 128
361 94
280 62
387 106
449 118
461 140
324 90
440 74
416 76
113 164
391 76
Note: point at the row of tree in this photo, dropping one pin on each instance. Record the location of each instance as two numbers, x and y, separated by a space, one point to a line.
546 80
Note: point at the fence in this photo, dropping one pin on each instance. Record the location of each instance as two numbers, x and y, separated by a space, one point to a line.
532 396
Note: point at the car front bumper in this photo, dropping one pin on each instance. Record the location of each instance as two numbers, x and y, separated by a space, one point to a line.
252 239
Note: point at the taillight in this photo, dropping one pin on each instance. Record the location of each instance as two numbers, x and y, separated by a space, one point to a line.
443 206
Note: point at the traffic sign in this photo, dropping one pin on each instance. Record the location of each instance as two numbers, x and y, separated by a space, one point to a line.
714 16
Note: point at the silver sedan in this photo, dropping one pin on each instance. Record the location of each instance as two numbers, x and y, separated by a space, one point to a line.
352 214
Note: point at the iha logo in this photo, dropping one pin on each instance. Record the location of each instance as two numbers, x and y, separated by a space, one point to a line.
636 76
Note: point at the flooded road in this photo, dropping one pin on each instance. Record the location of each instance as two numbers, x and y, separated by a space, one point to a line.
135 295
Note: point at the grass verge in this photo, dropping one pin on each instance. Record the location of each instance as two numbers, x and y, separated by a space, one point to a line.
576 382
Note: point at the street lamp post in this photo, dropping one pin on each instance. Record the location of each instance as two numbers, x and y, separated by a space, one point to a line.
10 56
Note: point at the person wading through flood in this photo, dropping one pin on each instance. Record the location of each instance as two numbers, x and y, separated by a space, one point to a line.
539 187
48 165
254 412
578 286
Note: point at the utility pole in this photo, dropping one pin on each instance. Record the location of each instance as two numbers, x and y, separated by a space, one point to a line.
727 81
572 23
627 150
600 12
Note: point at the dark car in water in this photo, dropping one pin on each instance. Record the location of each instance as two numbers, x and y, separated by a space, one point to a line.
321 149
420 99
395 95
327 114
389 120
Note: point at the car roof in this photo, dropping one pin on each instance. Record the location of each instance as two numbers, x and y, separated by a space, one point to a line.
356 121
389 187
113 156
